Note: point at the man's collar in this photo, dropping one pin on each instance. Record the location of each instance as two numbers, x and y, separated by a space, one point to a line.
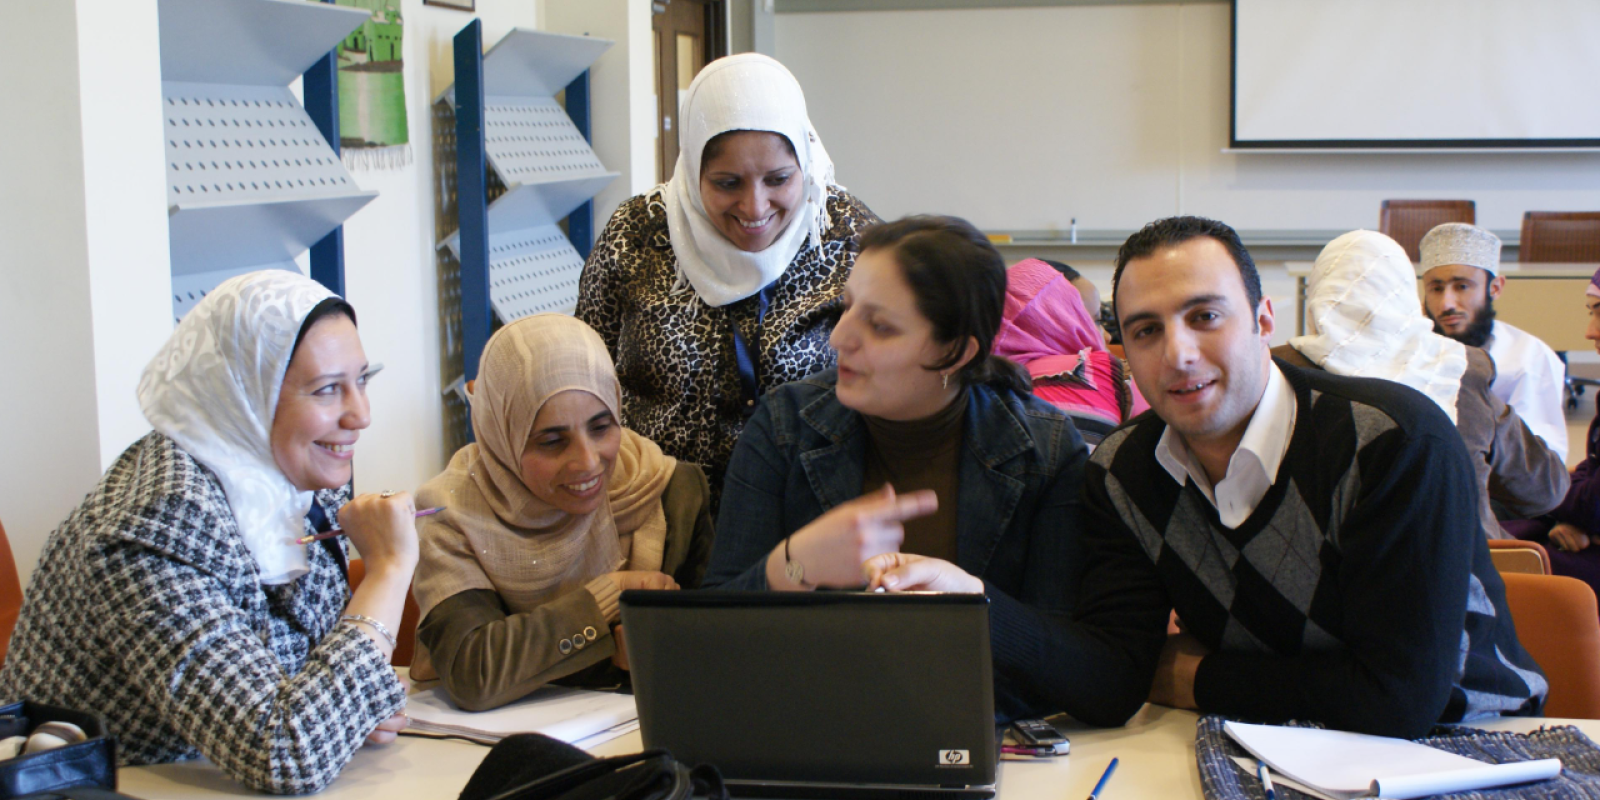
1266 436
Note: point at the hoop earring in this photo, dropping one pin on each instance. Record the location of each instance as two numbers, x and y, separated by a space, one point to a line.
946 380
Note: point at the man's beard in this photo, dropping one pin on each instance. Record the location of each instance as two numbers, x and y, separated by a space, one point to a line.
1478 331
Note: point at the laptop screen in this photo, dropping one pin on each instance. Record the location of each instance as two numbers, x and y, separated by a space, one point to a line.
817 687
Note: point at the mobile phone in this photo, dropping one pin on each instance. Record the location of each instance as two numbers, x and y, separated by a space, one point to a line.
1038 733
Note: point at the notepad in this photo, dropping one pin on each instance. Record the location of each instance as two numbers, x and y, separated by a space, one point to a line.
579 717
1340 765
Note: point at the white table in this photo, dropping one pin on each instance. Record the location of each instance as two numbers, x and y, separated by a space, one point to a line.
1156 749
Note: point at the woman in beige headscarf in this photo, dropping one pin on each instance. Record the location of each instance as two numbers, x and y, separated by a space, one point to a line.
551 515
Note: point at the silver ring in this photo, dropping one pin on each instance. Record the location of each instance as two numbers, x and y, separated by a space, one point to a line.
386 493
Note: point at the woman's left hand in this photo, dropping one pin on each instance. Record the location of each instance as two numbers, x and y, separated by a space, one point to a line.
906 572
388 729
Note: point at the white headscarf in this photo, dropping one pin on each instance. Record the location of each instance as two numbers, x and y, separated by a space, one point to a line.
746 92
213 389
1363 301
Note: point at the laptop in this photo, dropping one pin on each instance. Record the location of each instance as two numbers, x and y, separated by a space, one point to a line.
819 694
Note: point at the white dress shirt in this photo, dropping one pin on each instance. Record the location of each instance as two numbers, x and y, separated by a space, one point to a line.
1254 464
1530 378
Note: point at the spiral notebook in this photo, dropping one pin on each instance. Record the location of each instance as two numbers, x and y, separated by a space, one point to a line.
1339 765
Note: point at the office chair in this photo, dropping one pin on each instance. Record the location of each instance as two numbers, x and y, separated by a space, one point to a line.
1516 555
1407 221
1562 237
10 593
1558 622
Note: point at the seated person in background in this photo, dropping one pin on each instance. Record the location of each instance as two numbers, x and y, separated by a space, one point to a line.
175 601
554 512
1360 304
1572 530
1088 293
919 425
1313 531
1047 330
1460 280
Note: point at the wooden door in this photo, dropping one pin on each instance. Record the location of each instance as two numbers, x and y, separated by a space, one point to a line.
688 33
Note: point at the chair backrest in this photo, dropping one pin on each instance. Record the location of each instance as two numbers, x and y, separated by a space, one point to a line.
10 593
1407 221
1560 236
1516 555
1558 621
406 637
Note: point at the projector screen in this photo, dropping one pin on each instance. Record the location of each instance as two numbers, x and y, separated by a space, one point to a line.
1439 74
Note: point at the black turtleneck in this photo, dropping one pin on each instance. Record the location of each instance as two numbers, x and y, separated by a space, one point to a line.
920 454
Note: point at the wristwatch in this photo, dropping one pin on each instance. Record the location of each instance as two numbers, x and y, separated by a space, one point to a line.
793 570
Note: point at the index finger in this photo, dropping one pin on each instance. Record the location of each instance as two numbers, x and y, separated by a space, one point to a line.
906 506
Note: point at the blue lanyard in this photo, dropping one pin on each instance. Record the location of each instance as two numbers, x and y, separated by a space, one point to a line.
748 362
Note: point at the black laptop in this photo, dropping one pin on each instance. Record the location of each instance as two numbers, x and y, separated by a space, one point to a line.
819 694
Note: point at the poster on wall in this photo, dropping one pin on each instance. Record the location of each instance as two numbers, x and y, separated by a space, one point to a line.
372 93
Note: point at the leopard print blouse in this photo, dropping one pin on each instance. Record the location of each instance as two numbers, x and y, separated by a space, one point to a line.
674 353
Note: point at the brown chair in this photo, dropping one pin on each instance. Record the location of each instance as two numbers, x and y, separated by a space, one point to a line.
1557 621
1516 555
1407 221
10 593
1560 236
406 637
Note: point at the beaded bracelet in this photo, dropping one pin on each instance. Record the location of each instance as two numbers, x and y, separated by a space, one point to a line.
382 629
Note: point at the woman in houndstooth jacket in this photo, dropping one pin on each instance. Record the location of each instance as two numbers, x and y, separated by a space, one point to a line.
176 601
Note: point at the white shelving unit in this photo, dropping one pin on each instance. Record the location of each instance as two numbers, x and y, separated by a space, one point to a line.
546 165
251 181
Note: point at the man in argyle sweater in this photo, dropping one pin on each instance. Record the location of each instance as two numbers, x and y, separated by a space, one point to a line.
1316 534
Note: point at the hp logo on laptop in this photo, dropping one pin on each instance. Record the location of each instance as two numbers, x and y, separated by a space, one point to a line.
955 758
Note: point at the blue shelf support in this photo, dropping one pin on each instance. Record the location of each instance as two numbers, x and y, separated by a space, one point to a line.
321 90
580 223
472 204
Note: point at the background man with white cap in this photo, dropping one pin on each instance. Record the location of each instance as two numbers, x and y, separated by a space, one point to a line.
1461 278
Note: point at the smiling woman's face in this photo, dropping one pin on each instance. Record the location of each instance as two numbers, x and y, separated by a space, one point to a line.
750 187
322 407
570 453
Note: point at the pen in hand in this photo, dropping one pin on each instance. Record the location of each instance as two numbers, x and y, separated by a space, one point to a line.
426 512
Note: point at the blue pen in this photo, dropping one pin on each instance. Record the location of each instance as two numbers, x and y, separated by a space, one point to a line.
1110 768
1266 780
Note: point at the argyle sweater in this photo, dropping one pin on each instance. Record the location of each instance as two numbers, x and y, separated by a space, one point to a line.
1359 593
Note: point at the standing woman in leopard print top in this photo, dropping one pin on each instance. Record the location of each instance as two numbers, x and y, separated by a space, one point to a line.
723 283
176 601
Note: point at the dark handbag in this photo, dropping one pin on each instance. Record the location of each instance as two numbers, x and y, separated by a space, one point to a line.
84 770
536 767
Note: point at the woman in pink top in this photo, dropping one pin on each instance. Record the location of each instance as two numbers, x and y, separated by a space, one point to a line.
1048 331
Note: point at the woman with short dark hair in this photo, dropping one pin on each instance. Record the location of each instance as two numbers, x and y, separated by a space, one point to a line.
921 462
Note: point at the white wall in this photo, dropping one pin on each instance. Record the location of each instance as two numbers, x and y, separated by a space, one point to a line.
1023 118
84 287
622 92
391 274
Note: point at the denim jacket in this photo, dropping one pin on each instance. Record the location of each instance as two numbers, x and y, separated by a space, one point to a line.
1018 508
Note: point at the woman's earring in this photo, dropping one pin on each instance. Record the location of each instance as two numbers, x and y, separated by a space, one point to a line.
946 380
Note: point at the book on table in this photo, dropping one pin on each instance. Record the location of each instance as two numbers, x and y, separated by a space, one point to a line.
1339 765
580 717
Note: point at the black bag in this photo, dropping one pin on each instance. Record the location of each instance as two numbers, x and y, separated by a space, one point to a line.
536 767
83 771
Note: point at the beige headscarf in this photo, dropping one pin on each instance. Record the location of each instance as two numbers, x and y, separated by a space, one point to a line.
1362 299
496 534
